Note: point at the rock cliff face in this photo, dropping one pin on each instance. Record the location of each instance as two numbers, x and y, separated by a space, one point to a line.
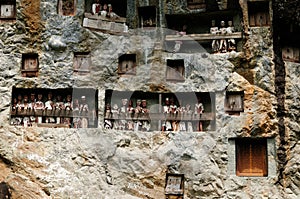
37 162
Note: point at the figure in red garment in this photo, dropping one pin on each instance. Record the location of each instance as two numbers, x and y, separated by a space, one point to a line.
96 7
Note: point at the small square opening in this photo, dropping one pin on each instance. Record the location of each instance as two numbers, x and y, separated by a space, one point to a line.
8 9
175 70
234 102
127 64
147 16
82 62
67 7
30 65
174 186
259 13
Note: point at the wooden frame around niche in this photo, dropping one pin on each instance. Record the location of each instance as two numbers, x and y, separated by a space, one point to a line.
175 70
67 7
174 187
259 13
8 10
82 62
30 64
290 53
127 64
234 102
147 16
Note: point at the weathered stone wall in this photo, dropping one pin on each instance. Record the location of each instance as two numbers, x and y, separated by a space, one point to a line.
99 163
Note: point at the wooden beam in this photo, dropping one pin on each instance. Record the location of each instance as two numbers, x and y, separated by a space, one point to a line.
170 117
117 19
203 37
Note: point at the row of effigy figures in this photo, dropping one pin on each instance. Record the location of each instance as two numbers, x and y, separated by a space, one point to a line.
222 45
128 117
104 10
29 109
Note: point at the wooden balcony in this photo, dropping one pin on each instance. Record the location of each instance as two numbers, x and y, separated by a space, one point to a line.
52 113
165 117
203 37
104 24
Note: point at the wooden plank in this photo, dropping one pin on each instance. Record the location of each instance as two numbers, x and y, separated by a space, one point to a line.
104 26
52 125
161 116
99 17
203 37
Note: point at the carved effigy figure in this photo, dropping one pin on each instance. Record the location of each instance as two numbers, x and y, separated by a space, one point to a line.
180 109
26 104
84 107
215 43
223 42
166 126
130 111
115 111
39 107
96 7
199 108
231 42
145 110
31 108
83 111
173 113
32 100
130 108
68 105
107 111
110 13
173 107
188 109
166 106
49 108
14 106
19 105
58 106
123 114
76 106
138 108
123 109
27 109
104 10
49 103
